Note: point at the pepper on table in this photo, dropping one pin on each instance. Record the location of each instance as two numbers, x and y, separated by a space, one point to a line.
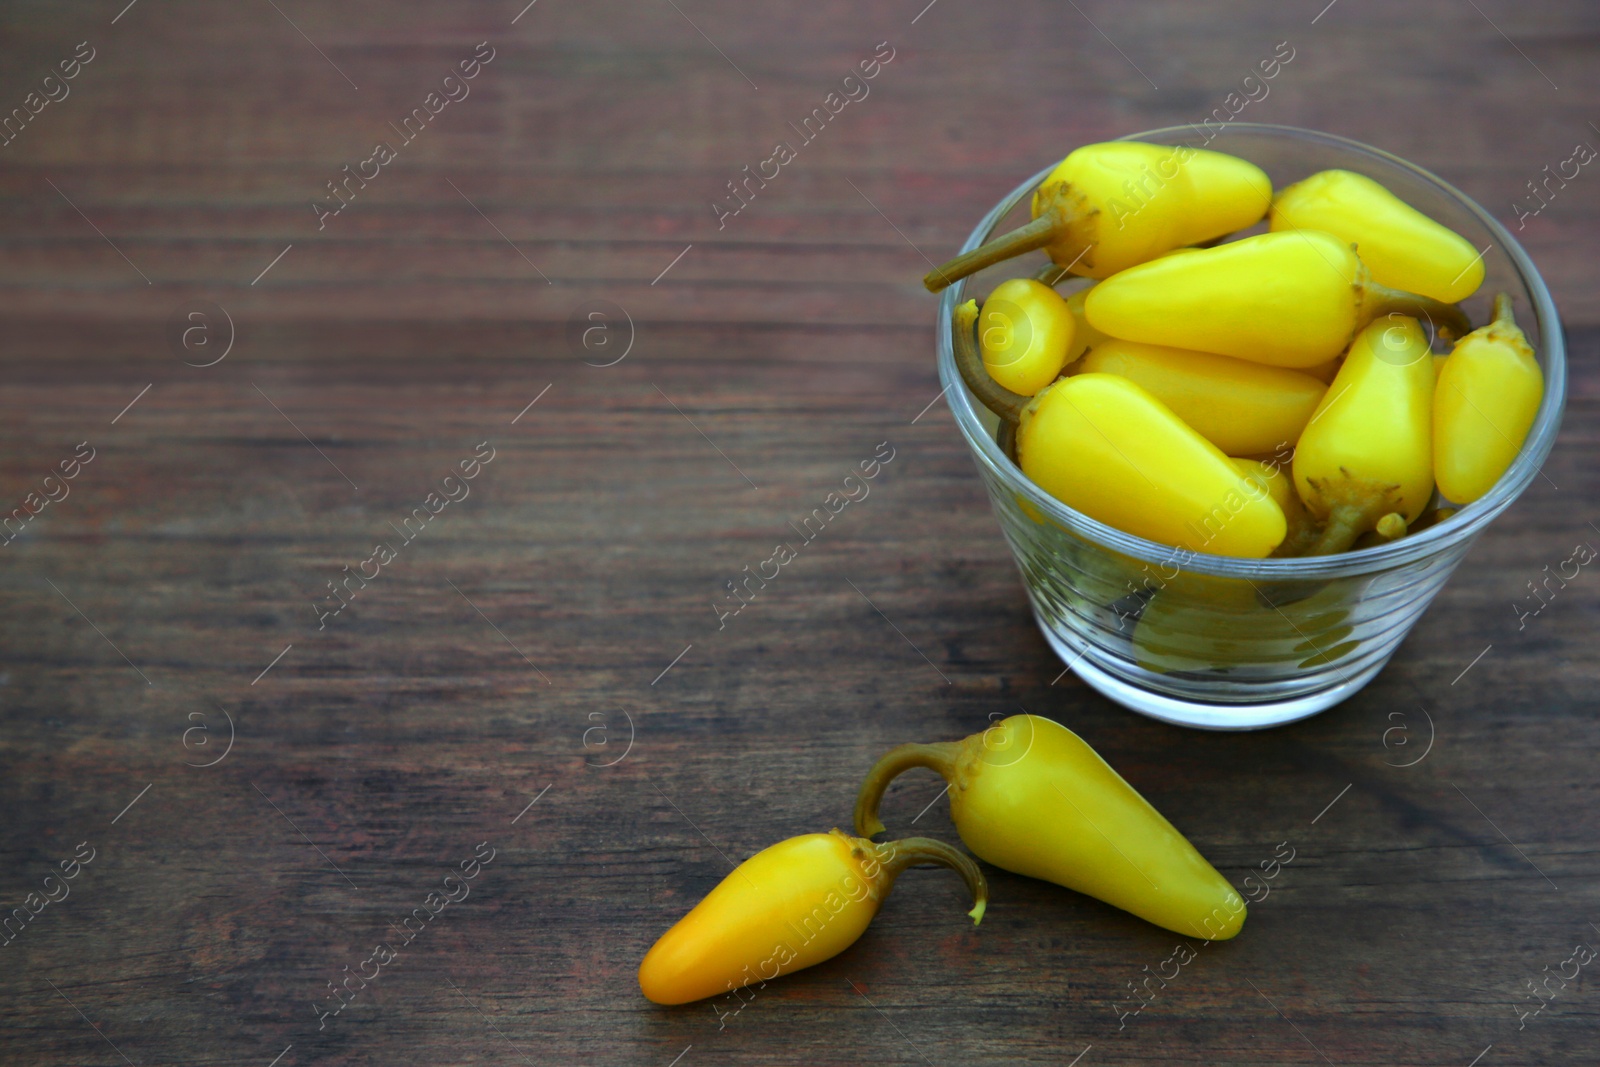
1030 796
789 906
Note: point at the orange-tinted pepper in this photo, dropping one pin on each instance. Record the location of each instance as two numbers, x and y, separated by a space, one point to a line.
790 906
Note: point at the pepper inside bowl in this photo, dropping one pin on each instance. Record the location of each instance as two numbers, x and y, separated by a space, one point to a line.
1229 643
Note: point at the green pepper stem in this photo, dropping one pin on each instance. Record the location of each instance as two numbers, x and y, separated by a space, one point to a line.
1060 211
1502 310
1348 520
1391 527
939 757
1036 234
1343 527
990 393
1447 320
911 851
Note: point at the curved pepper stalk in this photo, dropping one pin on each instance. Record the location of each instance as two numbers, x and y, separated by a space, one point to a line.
990 393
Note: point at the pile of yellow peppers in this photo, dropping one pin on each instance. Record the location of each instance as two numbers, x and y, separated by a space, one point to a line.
1271 395
1027 795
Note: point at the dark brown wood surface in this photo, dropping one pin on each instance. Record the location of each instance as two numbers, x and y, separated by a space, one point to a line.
518 650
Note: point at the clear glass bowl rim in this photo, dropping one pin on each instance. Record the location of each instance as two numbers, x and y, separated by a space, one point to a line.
1466 523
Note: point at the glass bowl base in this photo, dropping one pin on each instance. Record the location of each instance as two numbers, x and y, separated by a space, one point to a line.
1200 715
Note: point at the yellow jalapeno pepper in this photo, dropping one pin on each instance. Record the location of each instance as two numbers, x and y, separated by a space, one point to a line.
1239 406
1084 336
1108 206
1271 480
1290 299
789 906
1269 476
1024 332
1105 446
1488 394
1400 245
1030 796
1368 450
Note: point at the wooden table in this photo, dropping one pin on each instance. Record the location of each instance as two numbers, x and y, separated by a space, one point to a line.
542 669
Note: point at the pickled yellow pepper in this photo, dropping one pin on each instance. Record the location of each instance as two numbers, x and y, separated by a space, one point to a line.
990 393
1400 245
1488 394
1084 336
789 906
1271 480
1030 796
1105 446
1108 206
1239 406
1368 450
1302 527
1024 332
1291 299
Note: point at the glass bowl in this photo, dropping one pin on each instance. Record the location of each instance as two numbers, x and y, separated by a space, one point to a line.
1218 642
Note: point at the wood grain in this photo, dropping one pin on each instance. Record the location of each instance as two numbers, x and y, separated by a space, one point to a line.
504 653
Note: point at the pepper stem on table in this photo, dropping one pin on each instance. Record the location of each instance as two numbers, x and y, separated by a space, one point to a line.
939 757
911 851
